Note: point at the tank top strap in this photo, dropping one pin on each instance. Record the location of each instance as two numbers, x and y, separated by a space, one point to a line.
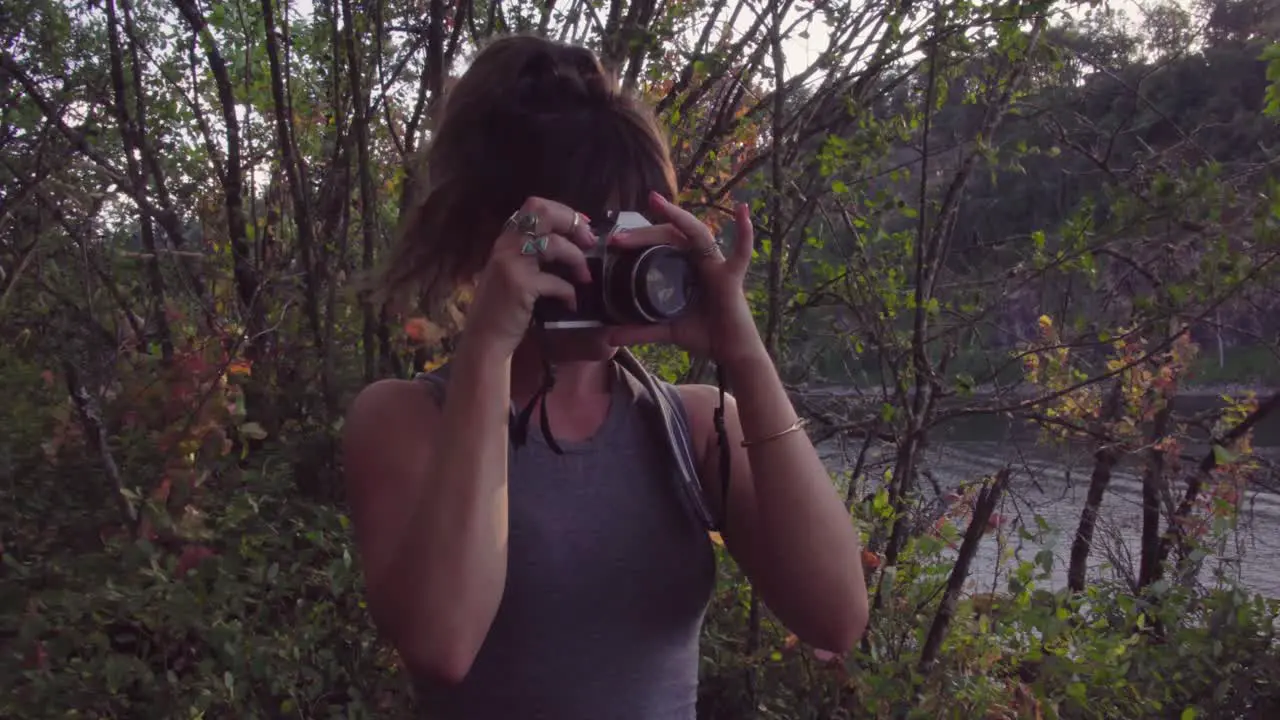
436 380
659 403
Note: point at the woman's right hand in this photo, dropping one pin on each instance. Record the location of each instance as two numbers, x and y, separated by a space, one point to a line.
512 281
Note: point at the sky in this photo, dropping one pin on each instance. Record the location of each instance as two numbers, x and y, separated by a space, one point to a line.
801 52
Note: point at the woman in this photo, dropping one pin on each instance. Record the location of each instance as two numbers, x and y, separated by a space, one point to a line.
517 581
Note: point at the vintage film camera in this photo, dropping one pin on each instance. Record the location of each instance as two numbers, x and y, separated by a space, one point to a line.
643 286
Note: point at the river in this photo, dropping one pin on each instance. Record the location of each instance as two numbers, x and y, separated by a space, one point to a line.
1052 483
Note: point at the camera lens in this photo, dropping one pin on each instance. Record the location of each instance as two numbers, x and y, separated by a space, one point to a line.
663 282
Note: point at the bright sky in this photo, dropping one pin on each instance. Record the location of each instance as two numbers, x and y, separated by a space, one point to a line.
801 52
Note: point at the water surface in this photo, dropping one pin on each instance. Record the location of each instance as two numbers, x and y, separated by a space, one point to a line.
1053 482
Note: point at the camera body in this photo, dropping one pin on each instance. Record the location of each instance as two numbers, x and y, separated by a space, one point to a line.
641 286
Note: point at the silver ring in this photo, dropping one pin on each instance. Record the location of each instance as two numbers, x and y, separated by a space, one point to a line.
574 227
709 250
525 222
534 245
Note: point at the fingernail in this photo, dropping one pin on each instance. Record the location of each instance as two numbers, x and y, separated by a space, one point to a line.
657 197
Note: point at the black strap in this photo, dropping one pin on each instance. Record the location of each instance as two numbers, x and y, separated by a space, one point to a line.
722 439
520 423
548 382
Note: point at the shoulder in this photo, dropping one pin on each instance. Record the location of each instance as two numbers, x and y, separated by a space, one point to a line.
392 397
700 403
386 435
387 412
702 398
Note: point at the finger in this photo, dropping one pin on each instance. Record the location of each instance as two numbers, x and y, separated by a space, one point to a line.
640 335
547 250
555 217
744 238
550 286
698 235
641 237
560 251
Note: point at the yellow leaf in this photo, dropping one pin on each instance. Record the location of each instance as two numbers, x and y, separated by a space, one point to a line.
253 431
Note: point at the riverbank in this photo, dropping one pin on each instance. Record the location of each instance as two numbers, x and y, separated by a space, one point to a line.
1025 390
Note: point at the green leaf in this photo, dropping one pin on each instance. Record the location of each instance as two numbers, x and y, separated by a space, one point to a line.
1044 559
1077 691
880 501
1189 714
887 411
1223 456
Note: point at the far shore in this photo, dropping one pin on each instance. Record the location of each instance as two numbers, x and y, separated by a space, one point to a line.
1215 390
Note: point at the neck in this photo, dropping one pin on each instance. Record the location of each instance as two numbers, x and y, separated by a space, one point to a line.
573 379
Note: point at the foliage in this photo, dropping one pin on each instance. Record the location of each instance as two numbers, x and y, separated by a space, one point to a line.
1021 653
263 620
963 210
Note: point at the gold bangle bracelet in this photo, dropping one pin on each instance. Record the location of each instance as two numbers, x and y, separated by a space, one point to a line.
796 426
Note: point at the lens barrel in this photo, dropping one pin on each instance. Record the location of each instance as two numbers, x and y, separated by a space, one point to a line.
648 286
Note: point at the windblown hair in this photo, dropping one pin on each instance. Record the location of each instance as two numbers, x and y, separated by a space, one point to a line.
530 117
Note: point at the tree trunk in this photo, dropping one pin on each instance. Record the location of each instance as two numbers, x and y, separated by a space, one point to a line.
1104 460
368 195
243 270
291 164
1176 532
130 134
1153 483
988 499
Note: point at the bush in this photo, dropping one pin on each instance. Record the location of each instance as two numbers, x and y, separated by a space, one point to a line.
239 596
267 619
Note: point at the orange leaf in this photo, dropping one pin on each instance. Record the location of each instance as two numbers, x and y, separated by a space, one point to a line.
422 330
870 560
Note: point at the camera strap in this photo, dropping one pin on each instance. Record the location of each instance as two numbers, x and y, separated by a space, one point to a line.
519 426
673 425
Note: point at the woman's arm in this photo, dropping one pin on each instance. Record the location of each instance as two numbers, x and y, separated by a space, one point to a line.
427 487
787 526
428 484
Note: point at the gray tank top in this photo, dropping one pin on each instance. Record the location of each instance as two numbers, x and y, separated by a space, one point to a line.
608 578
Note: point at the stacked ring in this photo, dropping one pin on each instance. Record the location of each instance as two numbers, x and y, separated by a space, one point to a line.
711 249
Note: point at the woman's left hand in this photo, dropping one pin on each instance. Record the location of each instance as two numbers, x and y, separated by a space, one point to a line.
720 325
